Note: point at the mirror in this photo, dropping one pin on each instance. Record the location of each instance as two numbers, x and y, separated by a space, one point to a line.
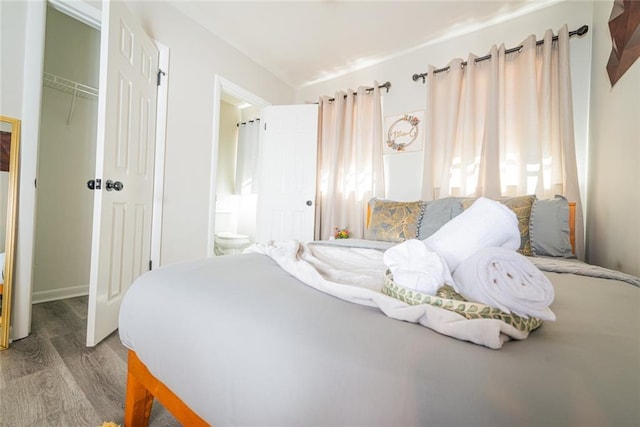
9 152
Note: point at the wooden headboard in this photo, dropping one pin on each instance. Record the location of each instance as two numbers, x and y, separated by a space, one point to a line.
572 225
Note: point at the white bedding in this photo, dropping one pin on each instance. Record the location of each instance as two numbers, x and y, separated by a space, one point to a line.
357 275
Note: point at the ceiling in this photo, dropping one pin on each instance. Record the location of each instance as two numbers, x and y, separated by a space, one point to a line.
304 42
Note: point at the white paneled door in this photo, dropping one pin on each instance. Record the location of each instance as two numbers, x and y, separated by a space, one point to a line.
124 164
287 186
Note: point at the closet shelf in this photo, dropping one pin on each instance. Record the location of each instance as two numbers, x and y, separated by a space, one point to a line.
69 86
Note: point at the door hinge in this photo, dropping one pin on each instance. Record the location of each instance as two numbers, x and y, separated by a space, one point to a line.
159 76
150 265
265 126
94 184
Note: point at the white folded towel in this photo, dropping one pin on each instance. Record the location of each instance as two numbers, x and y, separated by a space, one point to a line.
507 280
486 223
416 267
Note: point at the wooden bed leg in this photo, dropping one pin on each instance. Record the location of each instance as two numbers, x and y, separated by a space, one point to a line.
142 388
138 403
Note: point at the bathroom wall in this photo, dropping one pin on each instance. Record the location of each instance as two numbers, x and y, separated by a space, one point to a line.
250 113
228 143
226 200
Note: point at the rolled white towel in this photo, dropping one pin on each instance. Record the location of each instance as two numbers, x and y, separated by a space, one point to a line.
507 280
415 267
486 223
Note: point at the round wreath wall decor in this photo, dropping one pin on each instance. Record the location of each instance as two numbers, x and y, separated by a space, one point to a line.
403 132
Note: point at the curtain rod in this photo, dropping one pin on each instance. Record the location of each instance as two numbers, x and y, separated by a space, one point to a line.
579 32
244 123
386 85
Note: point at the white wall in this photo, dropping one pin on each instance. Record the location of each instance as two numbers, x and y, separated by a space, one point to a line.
196 57
64 205
12 21
404 170
613 223
20 76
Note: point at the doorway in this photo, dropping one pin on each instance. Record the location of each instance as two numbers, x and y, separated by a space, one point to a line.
32 100
66 159
232 221
238 138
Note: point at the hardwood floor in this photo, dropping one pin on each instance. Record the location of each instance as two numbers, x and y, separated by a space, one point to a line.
51 379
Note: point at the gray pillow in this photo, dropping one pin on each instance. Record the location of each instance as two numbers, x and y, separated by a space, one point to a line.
437 213
549 228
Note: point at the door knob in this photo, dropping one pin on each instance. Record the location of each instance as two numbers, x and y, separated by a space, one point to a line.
111 185
309 202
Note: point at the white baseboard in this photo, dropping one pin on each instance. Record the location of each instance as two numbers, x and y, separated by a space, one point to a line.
60 293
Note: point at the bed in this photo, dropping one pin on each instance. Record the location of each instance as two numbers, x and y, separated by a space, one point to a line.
238 340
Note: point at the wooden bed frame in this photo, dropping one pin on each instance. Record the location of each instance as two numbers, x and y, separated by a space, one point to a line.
572 225
142 386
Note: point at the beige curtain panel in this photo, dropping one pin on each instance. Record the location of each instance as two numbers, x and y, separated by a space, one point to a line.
504 127
350 166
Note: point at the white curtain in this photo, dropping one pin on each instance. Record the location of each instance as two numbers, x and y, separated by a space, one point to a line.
350 167
504 126
247 157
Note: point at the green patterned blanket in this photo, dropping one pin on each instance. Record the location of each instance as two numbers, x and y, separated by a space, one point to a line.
448 299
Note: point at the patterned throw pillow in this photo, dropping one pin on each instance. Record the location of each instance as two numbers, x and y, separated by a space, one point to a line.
393 221
521 206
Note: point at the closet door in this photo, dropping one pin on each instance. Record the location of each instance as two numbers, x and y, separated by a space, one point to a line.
124 164
287 185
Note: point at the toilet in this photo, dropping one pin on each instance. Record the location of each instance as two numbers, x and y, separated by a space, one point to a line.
227 243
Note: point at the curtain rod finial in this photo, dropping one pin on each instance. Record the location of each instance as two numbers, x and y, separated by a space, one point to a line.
582 30
423 76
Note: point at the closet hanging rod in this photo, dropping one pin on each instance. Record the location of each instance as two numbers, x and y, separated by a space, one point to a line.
386 85
579 32
244 123
69 86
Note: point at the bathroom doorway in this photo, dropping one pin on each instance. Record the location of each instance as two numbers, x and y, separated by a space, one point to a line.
233 219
